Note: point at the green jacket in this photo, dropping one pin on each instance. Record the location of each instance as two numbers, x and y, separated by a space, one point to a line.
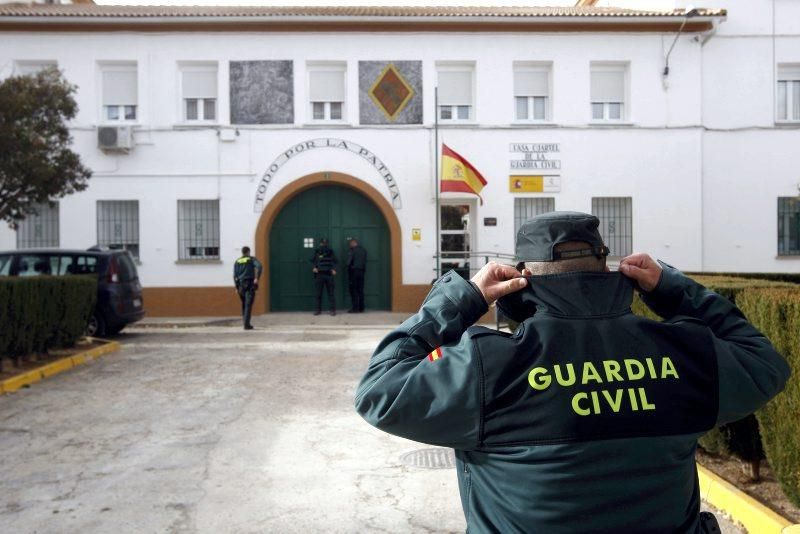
587 417
246 268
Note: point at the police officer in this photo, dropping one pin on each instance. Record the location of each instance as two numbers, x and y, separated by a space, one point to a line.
324 262
356 268
246 272
585 419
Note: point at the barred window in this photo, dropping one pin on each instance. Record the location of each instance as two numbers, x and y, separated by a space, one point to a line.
788 226
198 229
527 208
118 225
616 223
40 229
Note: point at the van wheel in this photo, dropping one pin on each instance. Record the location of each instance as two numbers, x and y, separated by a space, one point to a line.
96 326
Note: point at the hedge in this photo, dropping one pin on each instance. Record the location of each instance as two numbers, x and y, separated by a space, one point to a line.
774 308
776 312
44 312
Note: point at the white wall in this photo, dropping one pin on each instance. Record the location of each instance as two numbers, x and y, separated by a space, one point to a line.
682 177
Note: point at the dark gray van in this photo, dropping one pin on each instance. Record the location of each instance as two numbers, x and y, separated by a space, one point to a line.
119 293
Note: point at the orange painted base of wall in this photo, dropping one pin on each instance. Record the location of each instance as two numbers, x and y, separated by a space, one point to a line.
191 301
223 301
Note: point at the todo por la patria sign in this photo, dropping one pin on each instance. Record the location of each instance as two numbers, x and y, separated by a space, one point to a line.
326 142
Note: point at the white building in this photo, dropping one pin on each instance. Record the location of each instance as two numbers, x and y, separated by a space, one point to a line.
273 127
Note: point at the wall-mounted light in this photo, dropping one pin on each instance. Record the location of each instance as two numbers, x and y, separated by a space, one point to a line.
688 13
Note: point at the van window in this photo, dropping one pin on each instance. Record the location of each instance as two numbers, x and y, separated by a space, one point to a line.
84 265
34 265
5 264
60 265
127 270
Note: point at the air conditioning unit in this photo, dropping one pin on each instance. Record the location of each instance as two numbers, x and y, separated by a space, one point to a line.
115 138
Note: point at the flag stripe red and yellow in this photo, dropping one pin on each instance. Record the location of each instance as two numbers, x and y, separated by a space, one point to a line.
458 174
435 354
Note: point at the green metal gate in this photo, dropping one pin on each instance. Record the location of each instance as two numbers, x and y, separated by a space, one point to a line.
337 213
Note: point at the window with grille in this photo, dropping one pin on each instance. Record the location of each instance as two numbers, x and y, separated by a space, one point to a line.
120 92
527 208
25 68
118 225
788 226
788 99
608 92
616 223
198 229
531 92
199 92
455 84
40 229
326 91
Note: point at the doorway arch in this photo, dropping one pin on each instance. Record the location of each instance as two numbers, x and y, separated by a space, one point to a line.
320 179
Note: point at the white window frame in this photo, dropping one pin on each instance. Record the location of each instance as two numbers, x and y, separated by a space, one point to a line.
533 66
609 66
34 64
334 66
457 66
788 73
120 66
205 66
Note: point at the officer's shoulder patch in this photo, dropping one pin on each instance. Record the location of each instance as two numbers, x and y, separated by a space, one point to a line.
435 354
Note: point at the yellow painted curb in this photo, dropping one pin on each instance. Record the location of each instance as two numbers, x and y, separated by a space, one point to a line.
59 366
751 514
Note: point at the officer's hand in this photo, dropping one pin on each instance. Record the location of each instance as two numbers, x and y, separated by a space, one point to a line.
314 270
333 272
496 280
255 286
641 268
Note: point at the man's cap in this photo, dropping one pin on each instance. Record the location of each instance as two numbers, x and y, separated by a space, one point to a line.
537 237
323 239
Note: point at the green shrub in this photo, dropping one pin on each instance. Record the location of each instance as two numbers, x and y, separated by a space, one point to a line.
44 312
776 312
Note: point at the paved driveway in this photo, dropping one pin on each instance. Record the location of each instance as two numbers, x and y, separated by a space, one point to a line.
212 429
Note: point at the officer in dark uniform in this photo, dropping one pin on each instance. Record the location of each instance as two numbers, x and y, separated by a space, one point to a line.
586 418
356 268
246 272
324 262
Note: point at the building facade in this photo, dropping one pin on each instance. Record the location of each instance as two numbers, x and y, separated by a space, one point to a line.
212 128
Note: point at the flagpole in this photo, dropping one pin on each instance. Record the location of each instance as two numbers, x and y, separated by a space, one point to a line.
436 178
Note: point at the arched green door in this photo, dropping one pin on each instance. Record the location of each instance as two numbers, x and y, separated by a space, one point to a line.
337 213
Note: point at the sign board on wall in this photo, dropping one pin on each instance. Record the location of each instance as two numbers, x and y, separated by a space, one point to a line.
542 157
534 184
536 156
416 234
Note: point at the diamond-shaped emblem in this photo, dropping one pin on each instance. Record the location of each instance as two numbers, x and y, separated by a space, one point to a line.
391 92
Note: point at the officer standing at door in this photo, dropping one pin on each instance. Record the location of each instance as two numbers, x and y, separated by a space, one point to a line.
324 262
246 272
356 267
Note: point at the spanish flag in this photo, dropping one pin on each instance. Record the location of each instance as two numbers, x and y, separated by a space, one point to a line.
435 354
458 174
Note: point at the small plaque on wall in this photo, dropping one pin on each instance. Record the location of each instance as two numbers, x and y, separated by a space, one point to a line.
490 221
416 234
